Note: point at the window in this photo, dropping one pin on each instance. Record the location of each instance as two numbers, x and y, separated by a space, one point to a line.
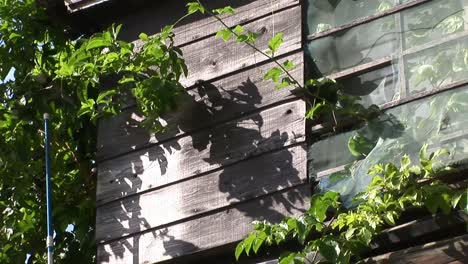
408 57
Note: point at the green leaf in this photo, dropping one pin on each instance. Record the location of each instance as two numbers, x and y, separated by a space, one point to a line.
248 243
314 111
285 82
359 146
423 153
224 10
405 162
239 249
456 199
463 204
288 258
242 38
261 237
273 74
275 42
252 36
238 30
194 7
14 36
390 218
143 36
97 42
438 153
288 65
103 95
126 79
225 34
328 248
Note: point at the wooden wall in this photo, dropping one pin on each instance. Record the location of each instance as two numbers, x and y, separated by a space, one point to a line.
234 151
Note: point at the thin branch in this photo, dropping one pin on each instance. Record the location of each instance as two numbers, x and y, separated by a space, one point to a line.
254 47
324 230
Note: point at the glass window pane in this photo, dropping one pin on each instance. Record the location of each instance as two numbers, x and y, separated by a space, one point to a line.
439 120
323 15
355 46
441 65
433 21
376 87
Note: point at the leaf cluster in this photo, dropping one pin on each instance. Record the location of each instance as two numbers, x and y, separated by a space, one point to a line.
44 68
349 232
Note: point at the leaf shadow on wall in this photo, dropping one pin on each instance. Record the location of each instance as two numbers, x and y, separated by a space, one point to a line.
229 150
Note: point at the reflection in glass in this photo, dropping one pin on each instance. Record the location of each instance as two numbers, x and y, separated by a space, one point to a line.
375 87
428 41
433 21
439 121
441 65
323 15
355 46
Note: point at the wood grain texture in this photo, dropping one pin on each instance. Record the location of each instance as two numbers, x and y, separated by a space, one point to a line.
206 26
427 229
207 105
454 250
206 150
206 232
212 57
240 182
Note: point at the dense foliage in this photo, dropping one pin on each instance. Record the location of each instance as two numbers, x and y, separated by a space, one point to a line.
349 232
44 68
328 229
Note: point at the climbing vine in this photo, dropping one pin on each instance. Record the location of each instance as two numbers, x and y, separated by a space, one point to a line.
46 67
347 233
337 233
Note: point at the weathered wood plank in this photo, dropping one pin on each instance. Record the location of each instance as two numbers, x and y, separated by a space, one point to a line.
246 11
203 151
206 232
212 57
207 105
239 182
244 14
453 250
415 232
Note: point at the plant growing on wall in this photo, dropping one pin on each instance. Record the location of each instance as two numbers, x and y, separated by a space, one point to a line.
348 232
46 68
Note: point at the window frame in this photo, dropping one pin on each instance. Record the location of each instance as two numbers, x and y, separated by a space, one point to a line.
405 96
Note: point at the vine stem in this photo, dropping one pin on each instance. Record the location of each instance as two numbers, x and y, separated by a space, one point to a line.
324 230
254 47
272 58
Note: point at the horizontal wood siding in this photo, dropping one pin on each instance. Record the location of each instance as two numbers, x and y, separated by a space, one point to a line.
234 151
203 233
212 57
207 27
452 250
208 104
201 152
240 182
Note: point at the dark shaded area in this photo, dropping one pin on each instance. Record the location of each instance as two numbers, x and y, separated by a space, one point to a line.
138 15
220 140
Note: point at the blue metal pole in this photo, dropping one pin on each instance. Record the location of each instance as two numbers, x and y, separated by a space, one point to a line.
50 231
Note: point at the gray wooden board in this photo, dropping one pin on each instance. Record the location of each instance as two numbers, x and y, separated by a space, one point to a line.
454 250
190 30
412 232
242 181
206 232
201 152
208 104
212 57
